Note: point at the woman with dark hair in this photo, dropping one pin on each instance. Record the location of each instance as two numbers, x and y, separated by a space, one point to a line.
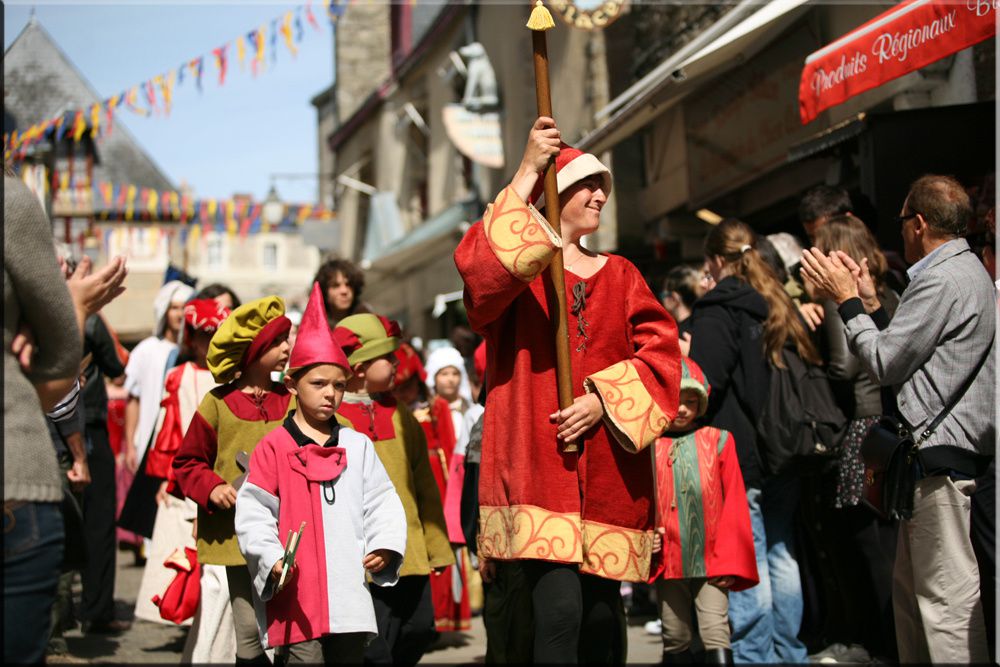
681 288
223 295
862 547
342 282
739 330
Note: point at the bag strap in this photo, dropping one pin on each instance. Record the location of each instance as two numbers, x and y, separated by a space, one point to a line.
927 432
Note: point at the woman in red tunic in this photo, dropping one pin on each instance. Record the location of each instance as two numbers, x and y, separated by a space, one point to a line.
577 523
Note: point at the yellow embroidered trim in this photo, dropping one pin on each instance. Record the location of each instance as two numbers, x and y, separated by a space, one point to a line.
518 236
634 417
616 553
526 531
530 532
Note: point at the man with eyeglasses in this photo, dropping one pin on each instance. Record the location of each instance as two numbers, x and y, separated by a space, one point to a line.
937 351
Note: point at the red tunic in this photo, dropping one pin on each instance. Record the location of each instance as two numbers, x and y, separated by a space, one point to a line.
536 501
450 614
704 510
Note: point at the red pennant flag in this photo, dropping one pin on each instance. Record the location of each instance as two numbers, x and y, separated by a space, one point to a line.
220 62
112 103
310 16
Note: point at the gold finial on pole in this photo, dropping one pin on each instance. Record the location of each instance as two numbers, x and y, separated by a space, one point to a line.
540 18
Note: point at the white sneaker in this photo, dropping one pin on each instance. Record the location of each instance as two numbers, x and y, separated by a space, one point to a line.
654 627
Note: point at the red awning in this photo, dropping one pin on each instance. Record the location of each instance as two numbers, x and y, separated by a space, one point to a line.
909 36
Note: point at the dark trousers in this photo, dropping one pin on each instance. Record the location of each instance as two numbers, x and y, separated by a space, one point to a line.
346 648
32 559
984 536
404 614
99 504
577 617
508 616
862 551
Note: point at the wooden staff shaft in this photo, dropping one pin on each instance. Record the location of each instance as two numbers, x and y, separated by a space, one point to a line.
564 373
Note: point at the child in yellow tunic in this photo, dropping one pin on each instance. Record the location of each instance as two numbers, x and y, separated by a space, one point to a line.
249 345
405 612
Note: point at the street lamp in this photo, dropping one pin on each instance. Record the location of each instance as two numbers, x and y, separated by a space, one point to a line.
274 209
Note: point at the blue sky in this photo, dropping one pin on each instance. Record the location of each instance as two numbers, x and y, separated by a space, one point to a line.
226 139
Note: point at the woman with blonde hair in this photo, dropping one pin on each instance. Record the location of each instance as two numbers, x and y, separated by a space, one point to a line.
860 545
739 330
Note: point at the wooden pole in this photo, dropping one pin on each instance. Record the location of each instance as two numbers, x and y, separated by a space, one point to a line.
541 21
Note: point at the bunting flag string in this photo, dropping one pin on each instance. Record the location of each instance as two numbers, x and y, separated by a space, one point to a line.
76 124
235 217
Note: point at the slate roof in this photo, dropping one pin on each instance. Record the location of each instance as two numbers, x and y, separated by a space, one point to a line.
41 82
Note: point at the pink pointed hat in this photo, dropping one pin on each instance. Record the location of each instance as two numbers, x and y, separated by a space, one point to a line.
314 342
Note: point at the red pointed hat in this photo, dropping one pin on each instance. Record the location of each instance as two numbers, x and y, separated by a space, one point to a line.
314 343
572 166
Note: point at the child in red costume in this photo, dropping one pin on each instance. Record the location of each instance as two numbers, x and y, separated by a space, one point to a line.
184 389
705 522
354 524
250 344
578 523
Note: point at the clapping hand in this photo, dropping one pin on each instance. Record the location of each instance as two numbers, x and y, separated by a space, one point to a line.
864 280
829 274
93 291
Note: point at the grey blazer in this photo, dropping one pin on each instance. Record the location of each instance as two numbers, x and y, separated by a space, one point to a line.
945 320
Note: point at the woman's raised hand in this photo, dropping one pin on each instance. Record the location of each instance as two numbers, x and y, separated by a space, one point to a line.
544 140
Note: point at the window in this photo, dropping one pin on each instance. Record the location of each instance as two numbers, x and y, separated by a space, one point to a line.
269 256
214 257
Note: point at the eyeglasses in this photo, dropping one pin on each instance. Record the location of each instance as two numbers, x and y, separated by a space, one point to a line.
900 219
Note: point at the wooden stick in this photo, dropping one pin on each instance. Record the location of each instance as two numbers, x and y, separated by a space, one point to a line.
556 289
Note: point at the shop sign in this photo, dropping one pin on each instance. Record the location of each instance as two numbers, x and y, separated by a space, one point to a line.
911 35
477 135
588 14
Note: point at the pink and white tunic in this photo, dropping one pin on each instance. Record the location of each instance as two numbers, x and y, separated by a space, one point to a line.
343 493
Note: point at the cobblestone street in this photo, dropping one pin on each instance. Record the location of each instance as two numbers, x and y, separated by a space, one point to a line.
154 643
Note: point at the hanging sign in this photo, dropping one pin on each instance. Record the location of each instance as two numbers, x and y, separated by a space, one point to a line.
477 135
909 36
588 14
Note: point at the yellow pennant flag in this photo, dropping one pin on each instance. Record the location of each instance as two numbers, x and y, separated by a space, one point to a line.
213 206
241 52
79 126
286 32
95 120
153 201
231 228
129 201
261 43
166 84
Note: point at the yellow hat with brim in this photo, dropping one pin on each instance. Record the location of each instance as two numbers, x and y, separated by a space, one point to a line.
245 335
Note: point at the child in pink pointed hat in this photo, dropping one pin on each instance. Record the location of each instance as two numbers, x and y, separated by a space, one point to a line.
315 473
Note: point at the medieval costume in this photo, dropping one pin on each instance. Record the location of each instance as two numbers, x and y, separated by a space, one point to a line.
405 613
341 494
702 506
577 522
145 374
185 387
442 422
230 422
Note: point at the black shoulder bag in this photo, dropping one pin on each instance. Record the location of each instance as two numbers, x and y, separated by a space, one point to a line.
893 462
